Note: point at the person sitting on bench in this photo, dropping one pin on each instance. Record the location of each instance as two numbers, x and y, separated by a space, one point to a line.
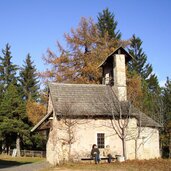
107 153
95 153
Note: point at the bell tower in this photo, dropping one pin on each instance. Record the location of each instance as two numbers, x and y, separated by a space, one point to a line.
114 72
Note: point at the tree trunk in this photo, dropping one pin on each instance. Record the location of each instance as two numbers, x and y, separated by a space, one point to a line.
18 145
69 142
69 153
6 145
1 148
124 144
7 149
170 144
136 150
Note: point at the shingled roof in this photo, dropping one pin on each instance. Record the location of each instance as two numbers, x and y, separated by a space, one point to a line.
90 100
78 98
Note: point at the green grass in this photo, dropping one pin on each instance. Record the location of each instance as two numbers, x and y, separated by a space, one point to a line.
133 165
6 160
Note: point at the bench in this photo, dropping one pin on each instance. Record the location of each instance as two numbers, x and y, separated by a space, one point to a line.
102 158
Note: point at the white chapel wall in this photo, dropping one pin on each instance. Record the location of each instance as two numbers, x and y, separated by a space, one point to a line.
85 135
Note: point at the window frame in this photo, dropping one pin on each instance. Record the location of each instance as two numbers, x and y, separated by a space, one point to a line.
101 140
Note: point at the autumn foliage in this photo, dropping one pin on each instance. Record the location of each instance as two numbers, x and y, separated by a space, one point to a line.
134 88
79 61
35 111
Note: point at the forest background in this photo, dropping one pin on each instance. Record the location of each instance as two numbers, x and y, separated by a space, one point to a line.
23 99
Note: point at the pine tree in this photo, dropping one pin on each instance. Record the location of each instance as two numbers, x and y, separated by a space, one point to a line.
34 109
167 117
167 100
7 68
149 82
139 64
7 76
13 119
107 23
29 80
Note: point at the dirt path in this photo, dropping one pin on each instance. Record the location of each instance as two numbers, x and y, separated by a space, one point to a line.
27 167
63 169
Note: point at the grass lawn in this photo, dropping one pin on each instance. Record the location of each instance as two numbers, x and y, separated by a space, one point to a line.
134 165
6 160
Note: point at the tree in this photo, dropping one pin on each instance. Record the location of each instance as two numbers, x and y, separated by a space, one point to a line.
119 114
149 82
34 108
134 89
167 114
120 119
13 118
7 68
7 75
29 80
35 111
67 127
79 62
108 24
139 64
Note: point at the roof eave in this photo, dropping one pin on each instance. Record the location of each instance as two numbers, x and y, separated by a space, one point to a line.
41 121
120 47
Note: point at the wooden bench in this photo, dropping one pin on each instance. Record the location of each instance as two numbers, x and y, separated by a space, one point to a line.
102 158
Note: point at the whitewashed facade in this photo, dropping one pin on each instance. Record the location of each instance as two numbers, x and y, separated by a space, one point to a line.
84 107
85 135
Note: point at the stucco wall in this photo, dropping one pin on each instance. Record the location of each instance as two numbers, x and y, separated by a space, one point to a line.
84 135
149 144
52 147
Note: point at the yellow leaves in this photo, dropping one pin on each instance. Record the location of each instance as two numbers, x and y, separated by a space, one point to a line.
78 62
85 34
35 111
169 125
61 59
134 89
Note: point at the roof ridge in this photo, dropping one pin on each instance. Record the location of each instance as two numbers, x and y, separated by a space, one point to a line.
120 47
72 84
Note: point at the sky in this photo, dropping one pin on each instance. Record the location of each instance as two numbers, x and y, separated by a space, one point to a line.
33 26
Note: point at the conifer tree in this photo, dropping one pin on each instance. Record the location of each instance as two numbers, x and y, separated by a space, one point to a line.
139 64
29 80
29 85
167 99
107 23
7 68
13 119
167 116
149 82
7 76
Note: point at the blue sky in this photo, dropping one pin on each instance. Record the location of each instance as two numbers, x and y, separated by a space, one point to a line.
32 26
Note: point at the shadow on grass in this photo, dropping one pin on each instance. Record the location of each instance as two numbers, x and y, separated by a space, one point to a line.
10 163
